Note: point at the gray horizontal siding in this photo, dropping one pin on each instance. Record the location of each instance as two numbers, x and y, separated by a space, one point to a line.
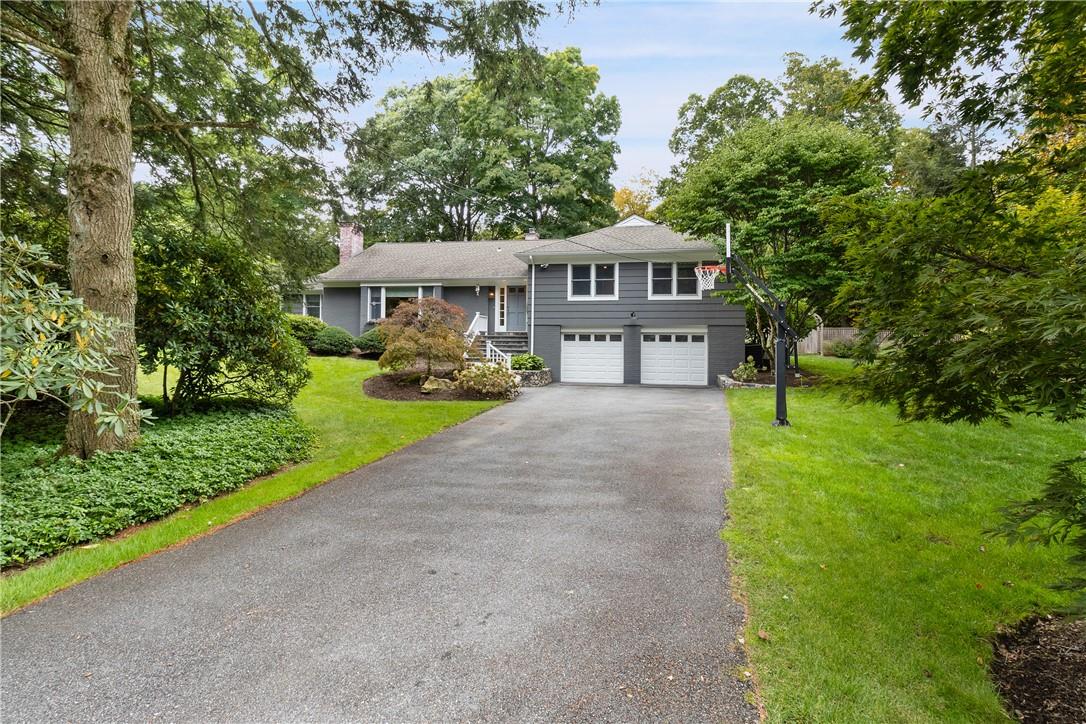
465 298
340 307
553 307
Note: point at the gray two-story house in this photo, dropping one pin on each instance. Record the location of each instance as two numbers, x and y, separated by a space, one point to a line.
616 305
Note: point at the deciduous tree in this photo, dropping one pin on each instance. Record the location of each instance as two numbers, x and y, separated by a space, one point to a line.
185 78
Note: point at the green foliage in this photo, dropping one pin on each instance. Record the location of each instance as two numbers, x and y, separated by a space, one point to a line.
984 288
49 503
456 158
927 161
429 329
492 381
825 89
212 311
371 342
52 345
995 62
527 362
704 121
983 295
333 340
746 371
305 329
772 181
1056 516
847 348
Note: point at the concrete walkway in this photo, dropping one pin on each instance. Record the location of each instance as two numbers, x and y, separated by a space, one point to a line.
557 558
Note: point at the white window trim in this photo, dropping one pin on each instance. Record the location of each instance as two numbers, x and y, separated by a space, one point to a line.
369 297
592 296
369 304
674 282
304 311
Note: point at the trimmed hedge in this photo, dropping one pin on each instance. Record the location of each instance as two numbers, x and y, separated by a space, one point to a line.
305 329
371 342
332 340
48 504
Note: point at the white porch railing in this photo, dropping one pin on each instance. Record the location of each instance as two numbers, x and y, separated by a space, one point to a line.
495 355
477 327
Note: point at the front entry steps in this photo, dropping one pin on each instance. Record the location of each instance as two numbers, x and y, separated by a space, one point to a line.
509 342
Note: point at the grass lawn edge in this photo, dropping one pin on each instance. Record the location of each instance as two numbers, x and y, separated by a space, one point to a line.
40 580
736 584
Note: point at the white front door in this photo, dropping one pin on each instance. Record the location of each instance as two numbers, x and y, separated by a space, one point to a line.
591 357
674 358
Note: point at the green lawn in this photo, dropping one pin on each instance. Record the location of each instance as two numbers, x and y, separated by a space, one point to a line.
352 430
857 541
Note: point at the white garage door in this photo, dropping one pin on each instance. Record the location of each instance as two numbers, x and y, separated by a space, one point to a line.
674 358
592 357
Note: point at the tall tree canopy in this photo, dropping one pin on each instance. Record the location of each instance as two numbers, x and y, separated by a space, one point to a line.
771 180
200 92
824 89
704 120
456 158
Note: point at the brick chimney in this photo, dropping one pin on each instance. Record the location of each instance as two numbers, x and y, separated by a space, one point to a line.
350 240
532 234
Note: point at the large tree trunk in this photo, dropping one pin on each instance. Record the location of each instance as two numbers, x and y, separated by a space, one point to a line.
98 89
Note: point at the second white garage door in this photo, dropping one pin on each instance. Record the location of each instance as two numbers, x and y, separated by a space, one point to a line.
592 357
674 358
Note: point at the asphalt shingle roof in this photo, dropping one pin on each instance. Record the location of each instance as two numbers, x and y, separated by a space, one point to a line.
435 260
498 259
655 237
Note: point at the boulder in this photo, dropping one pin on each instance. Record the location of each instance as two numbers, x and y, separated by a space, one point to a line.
432 384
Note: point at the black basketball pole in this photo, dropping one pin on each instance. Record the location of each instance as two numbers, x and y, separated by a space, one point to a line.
782 369
774 307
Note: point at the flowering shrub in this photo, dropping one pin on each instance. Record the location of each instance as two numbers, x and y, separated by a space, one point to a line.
489 380
53 346
746 371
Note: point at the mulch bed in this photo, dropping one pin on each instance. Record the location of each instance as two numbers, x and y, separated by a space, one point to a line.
805 380
407 386
1040 670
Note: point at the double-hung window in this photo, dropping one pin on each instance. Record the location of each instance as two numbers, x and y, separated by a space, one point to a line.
593 281
673 280
312 305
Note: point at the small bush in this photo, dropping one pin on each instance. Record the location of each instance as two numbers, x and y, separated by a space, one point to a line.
527 362
844 348
371 342
333 341
305 329
746 371
49 503
488 380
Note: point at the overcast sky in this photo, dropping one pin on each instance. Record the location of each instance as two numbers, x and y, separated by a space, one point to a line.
653 55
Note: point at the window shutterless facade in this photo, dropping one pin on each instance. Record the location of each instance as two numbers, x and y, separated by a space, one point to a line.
382 300
673 280
308 305
592 281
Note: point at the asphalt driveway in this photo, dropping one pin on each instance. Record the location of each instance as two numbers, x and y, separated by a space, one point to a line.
557 558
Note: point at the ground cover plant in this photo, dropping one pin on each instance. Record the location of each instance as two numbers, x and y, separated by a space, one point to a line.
859 543
51 502
351 430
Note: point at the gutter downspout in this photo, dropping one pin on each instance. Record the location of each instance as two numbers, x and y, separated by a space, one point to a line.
531 326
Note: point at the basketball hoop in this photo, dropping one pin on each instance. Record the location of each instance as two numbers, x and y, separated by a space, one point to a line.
707 275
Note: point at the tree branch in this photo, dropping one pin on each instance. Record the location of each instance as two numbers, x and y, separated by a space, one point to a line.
9 30
166 125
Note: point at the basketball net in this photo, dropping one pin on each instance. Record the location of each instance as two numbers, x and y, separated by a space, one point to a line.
707 275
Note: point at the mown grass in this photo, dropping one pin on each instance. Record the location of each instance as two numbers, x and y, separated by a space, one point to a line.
859 544
352 430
